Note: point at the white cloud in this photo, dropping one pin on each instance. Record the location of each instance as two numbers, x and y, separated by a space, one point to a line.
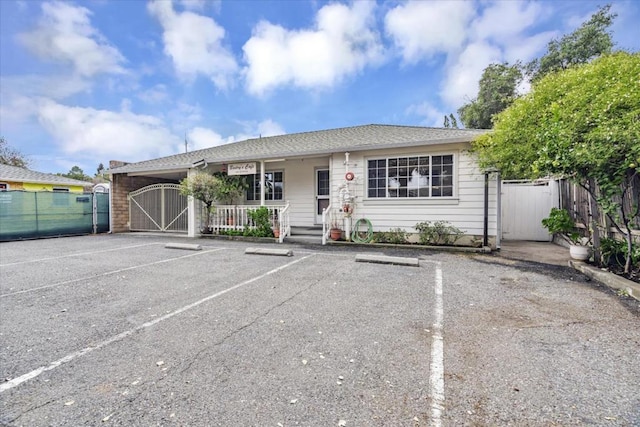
269 128
194 43
200 137
527 48
432 116
470 35
65 34
155 95
56 87
342 43
504 19
504 23
461 82
422 29
105 134
193 4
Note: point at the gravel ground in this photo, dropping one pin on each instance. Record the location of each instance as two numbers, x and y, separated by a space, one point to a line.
118 330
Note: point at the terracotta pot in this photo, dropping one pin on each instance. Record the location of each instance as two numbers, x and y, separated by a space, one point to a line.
335 234
276 233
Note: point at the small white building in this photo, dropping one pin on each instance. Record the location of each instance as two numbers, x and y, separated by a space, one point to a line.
394 176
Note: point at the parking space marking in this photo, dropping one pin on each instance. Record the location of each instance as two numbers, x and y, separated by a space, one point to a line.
436 367
66 282
77 254
72 356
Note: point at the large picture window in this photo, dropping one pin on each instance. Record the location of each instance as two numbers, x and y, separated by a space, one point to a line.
414 176
274 186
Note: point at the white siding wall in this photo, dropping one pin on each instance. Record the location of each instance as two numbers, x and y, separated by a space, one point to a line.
465 210
299 187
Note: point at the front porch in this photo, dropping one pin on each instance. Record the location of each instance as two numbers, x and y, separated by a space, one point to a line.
228 219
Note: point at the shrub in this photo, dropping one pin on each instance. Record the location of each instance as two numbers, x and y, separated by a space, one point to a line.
395 236
261 221
614 252
438 233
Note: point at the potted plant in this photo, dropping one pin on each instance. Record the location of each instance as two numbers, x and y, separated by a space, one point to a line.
335 231
560 223
276 228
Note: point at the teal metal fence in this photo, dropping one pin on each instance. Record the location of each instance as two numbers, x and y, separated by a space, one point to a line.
29 215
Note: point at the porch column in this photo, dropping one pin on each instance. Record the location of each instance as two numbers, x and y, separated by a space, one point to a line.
262 182
191 210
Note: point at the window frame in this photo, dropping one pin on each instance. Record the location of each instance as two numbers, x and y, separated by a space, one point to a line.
403 165
255 180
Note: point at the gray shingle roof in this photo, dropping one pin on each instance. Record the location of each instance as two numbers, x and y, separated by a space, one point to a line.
16 174
356 138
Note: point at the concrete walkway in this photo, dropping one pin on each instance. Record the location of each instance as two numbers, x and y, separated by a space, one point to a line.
550 253
543 252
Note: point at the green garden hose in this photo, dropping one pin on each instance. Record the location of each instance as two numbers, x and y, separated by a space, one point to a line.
357 237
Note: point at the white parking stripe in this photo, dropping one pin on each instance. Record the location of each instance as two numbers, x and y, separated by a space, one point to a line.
66 282
78 254
436 368
68 358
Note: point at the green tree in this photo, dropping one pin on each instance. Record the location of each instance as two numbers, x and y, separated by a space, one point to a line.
582 124
497 90
10 156
589 41
204 187
499 82
76 172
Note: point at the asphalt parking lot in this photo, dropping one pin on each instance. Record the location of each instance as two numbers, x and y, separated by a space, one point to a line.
119 330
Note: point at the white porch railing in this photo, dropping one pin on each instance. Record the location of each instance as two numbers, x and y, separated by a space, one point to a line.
326 228
284 223
235 217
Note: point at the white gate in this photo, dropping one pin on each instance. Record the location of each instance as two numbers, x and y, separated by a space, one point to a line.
524 205
158 207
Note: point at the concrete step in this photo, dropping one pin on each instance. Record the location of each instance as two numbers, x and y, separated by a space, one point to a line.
306 231
304 238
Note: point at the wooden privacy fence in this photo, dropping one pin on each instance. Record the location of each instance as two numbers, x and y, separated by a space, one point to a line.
575 199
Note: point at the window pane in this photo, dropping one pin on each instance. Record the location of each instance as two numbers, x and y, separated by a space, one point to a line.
410 176
323 183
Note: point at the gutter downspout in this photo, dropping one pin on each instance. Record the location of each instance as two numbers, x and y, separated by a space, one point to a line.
485 241
499 211
262 182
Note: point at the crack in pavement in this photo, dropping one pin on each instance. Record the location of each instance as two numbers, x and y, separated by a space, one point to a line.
247 325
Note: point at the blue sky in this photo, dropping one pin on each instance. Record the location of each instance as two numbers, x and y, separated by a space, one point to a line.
85 82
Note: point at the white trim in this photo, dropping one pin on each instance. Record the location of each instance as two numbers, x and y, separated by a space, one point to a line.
411 201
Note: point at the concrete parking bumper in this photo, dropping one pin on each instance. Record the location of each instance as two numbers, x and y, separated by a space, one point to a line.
382 259
268 251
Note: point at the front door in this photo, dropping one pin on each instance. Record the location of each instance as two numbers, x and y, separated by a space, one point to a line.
322 192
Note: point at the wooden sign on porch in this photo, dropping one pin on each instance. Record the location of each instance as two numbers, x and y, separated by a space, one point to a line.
242 169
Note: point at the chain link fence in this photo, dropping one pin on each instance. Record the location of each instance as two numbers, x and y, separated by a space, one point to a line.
29 215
